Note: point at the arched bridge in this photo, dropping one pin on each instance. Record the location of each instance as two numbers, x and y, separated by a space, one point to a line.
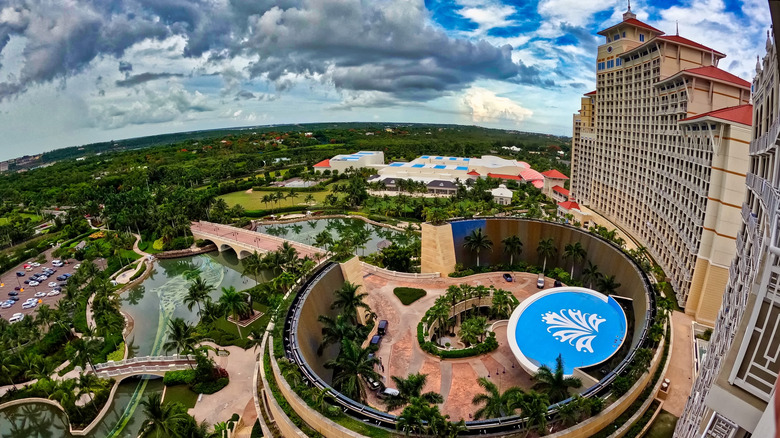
245 242
145 365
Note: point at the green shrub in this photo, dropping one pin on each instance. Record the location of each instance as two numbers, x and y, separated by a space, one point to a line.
158 244
408 295
117 354
138 273
210 387
181 377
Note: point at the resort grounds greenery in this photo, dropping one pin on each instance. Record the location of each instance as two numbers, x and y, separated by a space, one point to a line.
408 295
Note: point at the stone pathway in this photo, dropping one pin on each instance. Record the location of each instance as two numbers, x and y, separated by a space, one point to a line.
455 379
680 371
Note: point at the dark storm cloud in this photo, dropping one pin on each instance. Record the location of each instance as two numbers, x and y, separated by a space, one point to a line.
144 77
354 45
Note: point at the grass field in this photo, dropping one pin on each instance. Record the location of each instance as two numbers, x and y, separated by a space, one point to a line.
260 324
34 218
251 201
408 295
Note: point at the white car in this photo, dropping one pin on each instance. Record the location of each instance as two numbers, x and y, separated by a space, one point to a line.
53 293
40 294
53 284
77 267
16 317
36 264
57 263
6 305
34 283
29 304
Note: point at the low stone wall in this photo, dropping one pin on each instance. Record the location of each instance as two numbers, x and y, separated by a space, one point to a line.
395 275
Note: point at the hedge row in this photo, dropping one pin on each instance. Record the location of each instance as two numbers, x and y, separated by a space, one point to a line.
182 377
486 346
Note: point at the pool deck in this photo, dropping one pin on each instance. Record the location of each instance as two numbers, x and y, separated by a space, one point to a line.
454 379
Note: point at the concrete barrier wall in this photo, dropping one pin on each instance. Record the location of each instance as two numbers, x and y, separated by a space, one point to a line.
310 330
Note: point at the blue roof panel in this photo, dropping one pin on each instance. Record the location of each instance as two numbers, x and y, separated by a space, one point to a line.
417 166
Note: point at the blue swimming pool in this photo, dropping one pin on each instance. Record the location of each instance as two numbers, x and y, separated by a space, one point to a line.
583 326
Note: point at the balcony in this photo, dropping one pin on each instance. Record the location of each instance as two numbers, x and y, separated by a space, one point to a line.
769 139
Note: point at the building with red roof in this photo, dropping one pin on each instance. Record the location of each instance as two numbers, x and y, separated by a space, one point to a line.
659 149
560 194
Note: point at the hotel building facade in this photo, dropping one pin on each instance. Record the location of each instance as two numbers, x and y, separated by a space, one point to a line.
734 392
660 149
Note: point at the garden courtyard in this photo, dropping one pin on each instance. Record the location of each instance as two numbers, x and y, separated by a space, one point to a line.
454 379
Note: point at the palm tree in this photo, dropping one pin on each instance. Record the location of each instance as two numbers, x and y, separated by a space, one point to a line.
181 336
334 330
476 242
253 265
211 312
309 199
87 382
590 274
351 363
555 384
8 367
496 404
44 315
576 253
162 420
234 304
546 249
349 301
254 339
512 246
409 388
607 284
197 293
534 407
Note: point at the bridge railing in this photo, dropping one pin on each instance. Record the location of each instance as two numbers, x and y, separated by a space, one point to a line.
143 369
145 361
253 234
386 273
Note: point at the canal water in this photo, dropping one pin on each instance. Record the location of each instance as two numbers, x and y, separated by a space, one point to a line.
306 232
150 305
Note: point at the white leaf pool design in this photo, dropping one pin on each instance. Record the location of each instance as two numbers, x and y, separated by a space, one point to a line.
574 327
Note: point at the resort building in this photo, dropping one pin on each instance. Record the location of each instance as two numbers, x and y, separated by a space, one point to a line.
429 168
502 195
734 391
553 179
357 160
660 149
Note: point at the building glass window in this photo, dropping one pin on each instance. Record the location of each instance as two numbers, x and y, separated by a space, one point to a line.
641 37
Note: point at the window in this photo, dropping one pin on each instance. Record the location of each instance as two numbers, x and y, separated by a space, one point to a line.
624 34
616 37
619 62
641 37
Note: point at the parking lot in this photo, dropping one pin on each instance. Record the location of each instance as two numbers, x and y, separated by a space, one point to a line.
9 281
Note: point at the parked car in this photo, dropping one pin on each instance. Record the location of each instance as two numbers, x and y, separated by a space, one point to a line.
6 304
17 288
13 293
13 298
507 277
373 385
39 294
29 304
381 328
52 284
20 274
57 263
540 282
16 317
34 283
36 264
61 278
388 392
75 268
53 293
375 341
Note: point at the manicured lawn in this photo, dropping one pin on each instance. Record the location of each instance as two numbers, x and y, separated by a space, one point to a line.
663 426
260 324
34 218
251 201
408 295
182 394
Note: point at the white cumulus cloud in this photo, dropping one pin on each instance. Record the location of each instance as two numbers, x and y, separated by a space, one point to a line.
485 106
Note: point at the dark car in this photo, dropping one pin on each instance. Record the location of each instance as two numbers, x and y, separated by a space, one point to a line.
19 274
381 328
13 298
17 288
13 293
373 385
61 278
375 341
507 277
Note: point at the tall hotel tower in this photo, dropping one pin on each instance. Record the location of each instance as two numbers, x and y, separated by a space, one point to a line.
733 394
660 148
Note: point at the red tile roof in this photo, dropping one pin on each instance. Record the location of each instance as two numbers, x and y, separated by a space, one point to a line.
561 190
686 42
721 75
633 22
323 163
592 93
739 114
473 172
538 183
531 175
554 174
569 205
503 176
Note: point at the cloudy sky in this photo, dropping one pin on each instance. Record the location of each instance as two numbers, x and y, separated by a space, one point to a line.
81 71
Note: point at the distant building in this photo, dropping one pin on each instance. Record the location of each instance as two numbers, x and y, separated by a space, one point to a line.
501 195
357 160
553 178
439 187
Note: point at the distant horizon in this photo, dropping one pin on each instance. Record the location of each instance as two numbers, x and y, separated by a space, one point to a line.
247 127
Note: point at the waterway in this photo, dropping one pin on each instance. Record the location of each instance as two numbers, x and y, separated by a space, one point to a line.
150 305
306 232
